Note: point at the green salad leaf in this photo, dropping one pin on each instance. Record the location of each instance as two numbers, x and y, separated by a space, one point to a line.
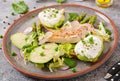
67 47
57 64
70 62
20 7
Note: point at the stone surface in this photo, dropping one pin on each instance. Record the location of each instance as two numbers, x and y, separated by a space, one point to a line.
8 73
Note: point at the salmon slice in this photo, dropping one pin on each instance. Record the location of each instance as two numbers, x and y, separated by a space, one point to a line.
71 33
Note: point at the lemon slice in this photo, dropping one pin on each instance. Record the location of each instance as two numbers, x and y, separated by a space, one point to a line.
104 1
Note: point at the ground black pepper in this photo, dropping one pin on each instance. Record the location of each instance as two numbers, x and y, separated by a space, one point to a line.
34 7
4 27
8 23
3 21
6 16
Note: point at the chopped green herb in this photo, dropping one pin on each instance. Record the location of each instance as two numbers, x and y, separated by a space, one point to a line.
60 1
91 41
20 7
72 16
12 13
82 51
1 36
43 46
56 11
42 54
13 54
96 44
26 38
87 48
56 49
87 34
83 41
44 15
44 11
103 23
73 70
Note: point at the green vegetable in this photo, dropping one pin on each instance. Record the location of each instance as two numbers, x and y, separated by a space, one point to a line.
85 20
12 14
1 36
56 49
70 62
39 65
26 46
13 54
18 39
54 65
83 41
92 19
40 55
67 47
73 70
43 46
60 1
102 32
87 34
72 16
91 40
108 31
35 34
81 17
20 7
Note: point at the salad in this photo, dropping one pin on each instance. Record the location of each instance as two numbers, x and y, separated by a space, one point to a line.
57 42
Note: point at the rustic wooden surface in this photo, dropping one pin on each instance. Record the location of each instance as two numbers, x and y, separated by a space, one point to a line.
8 73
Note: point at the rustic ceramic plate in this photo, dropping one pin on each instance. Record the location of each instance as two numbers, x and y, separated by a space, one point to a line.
26 21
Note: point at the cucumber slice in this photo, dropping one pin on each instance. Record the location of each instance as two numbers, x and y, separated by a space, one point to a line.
18 39
43 55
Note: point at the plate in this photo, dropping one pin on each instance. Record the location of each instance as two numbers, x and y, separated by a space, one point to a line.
82 67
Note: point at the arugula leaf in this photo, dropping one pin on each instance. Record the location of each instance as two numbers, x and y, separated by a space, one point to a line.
72 16
20 7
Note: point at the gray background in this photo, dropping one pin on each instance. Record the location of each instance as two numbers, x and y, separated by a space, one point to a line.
8 73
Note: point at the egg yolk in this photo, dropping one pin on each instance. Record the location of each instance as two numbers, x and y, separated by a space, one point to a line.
103 1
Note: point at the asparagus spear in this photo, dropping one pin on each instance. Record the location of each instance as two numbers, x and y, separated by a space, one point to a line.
85 20
92 19
81 17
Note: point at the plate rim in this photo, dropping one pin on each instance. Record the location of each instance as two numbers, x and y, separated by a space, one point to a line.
93 67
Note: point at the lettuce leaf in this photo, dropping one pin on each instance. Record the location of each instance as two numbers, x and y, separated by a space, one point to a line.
67 47
57 64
